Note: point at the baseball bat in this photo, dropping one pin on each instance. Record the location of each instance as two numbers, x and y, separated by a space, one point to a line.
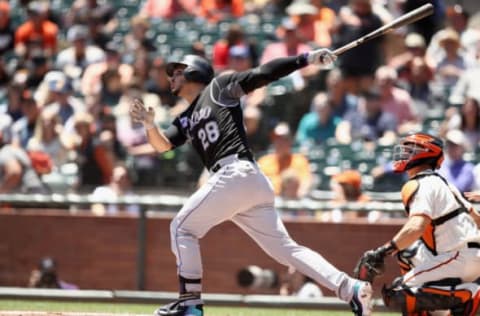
407 18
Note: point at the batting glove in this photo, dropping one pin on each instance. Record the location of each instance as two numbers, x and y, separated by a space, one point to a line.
323 57
141 114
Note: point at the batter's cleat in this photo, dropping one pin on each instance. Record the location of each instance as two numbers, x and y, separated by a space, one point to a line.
361 302
178 308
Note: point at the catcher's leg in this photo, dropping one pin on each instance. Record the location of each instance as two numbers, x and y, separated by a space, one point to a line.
461 300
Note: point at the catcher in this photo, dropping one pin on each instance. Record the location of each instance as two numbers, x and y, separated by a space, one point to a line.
438 248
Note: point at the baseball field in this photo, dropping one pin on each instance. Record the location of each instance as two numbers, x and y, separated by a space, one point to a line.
14 307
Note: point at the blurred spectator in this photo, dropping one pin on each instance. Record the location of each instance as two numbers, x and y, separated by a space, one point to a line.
467 85
199 49
16 172
235 35
142 158
98 34
37 67
273 164
314 20
355 20
94 156
467 119
456 19
5 79
62 101
136 39
347 187
296 284
218 10
289 185
112 88
456 169
396 101
5 129
290 44
419 80
24 128
411 66
84 11
159 83
141 70
46 276
92 83
475 196
80 54
341 99
451 66
168 9
7 32
256 129
318 125
108 135
239 58
429 24
36 31
368 122
12 105
46 137
119 186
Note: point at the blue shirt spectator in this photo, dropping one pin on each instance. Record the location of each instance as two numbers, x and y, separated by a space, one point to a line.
318 125
368 122
456 169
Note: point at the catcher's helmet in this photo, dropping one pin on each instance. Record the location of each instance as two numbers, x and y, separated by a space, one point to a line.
417 149
197 68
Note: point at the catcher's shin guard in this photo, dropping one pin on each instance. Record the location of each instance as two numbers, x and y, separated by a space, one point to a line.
415 301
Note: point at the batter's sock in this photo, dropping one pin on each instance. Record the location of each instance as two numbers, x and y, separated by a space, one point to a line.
190 291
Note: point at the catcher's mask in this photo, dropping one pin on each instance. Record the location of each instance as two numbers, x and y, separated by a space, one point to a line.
197 69
417 149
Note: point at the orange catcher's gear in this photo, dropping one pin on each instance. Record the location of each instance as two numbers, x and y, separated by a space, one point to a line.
417 149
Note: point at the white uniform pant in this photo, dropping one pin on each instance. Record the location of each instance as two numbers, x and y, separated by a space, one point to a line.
463 264
241 193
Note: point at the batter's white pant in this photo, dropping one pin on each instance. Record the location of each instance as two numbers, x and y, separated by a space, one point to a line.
240 192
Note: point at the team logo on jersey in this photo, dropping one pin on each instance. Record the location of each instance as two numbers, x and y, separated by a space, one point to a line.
198 116
184 122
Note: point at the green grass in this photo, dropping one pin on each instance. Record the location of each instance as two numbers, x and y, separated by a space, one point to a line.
129 308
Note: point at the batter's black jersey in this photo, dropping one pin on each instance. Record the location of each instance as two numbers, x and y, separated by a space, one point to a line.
213 123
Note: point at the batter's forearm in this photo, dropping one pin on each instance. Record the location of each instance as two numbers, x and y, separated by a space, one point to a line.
158 140
273 70
280 67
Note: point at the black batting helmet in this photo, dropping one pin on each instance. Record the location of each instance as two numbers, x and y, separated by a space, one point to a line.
197 68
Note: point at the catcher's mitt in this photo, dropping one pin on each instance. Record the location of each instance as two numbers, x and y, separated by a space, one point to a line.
370 265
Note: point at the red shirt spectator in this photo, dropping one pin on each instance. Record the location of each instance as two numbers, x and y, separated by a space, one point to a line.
217 10
37 29
168 8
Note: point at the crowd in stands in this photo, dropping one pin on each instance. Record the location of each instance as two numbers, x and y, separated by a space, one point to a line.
70 69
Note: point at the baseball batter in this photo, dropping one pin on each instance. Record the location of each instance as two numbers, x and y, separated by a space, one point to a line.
442 269
236 190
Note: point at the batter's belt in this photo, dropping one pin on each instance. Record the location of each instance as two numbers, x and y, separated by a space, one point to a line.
229 159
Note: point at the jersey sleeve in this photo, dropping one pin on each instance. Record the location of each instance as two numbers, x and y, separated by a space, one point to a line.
232 86
175 133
